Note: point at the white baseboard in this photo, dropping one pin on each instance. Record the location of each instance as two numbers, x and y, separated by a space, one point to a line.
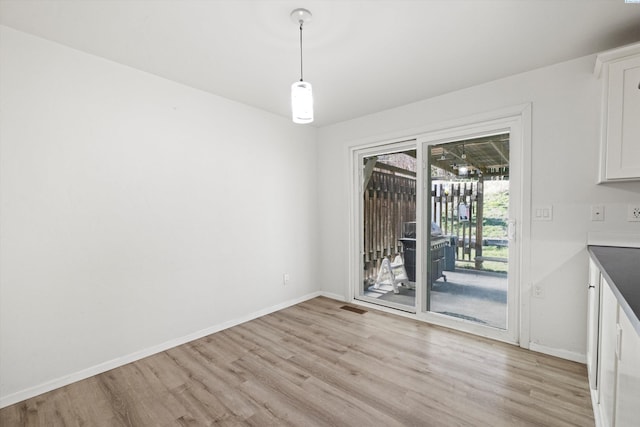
331 295
563 354
597 411
120 361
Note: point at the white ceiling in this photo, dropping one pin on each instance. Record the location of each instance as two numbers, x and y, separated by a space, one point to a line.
360 56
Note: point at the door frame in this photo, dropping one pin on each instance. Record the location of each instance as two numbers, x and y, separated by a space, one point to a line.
517 121
469 132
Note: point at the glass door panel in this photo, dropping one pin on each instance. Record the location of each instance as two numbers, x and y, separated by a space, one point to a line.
468 246
388 221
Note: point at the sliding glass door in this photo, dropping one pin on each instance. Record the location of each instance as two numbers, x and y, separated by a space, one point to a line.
387 210
472 213
440 227
468 211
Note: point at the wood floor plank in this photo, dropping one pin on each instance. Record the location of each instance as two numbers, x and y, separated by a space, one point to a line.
315 364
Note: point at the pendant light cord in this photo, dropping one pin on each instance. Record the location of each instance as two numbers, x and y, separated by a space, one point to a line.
301 22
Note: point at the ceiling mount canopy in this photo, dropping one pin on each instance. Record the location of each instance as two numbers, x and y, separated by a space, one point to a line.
301 16
301 91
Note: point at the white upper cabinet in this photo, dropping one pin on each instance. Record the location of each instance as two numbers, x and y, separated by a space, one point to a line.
619 71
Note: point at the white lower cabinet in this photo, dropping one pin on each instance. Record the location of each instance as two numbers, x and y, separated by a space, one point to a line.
593 328
613 360
607 365
627 411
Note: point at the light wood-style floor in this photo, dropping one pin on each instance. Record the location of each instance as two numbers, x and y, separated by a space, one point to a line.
316 364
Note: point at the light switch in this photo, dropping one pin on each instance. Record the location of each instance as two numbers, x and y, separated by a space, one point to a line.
597 213
543 213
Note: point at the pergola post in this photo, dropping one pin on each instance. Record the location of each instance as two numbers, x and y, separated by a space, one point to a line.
479 220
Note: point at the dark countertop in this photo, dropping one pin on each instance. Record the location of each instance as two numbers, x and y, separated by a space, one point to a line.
621 268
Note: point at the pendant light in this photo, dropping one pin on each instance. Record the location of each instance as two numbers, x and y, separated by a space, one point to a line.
301 93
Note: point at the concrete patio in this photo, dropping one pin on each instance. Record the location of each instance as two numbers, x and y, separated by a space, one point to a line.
473 295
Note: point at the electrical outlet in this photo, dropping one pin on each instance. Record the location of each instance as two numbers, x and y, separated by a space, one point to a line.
633 213
285 279
537 291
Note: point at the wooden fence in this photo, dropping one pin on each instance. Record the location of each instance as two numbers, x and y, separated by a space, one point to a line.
389 201
457 207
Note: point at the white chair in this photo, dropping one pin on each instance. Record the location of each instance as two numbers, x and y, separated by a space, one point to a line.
392 273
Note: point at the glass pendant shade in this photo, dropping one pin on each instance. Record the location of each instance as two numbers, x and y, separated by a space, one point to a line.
302 102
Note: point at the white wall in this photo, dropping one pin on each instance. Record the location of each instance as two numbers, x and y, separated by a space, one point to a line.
565 127
136 212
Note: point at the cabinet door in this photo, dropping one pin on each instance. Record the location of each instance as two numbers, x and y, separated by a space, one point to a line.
623 126
593 324
608 361
628 393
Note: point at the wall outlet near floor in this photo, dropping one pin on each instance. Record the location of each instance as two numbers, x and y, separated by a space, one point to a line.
633 213
537 291
285 279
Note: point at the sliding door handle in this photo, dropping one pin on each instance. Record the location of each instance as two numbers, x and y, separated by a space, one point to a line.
511 230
